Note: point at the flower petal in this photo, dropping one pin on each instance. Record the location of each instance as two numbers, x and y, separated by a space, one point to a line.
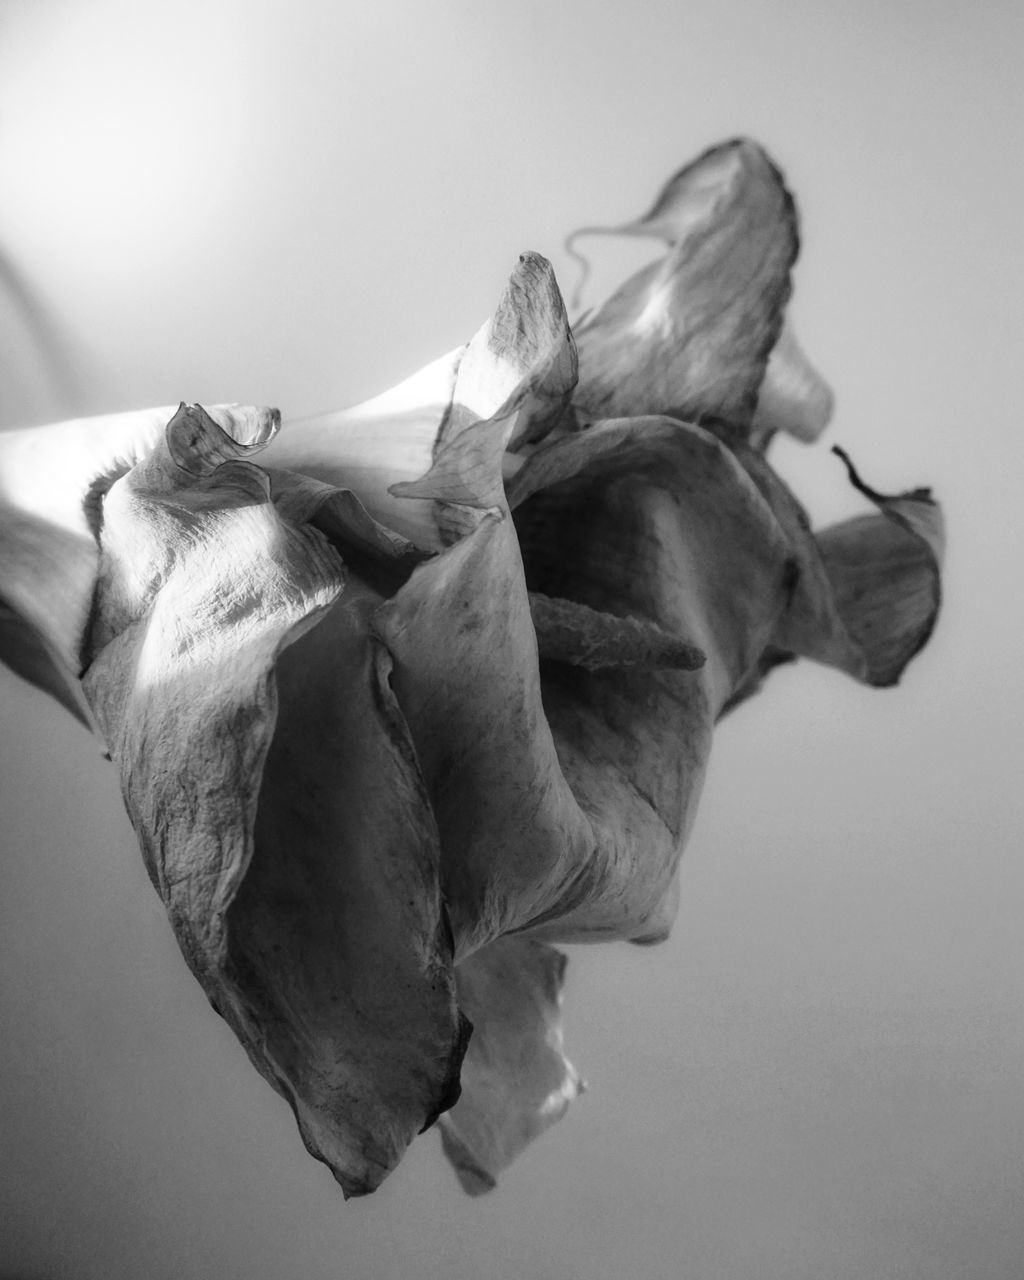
690 335
276 795
50 479
521 848
655 521
377 444
385 450
794 397
516 1080
885 573
866 592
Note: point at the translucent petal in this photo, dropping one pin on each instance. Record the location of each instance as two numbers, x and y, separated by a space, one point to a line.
516 1079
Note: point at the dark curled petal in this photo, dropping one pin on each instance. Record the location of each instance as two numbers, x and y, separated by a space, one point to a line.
251 717
690 335
525 845
516 1080
519 370
885 574
655 520
865 593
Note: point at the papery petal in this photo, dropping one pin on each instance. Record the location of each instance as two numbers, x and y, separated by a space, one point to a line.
866 593
523 843
50 479
885 574
516 1079
461 633
794 397
276 794
372 446
690 335
655 520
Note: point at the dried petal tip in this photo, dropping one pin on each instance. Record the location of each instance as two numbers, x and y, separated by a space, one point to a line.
690 334
794 397
516 1081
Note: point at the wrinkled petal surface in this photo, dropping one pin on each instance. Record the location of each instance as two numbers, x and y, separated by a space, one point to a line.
280 809
690 335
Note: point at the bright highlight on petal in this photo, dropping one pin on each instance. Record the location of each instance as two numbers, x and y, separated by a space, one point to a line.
403 695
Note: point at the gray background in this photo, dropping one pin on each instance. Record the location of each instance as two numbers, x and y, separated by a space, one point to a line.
298 204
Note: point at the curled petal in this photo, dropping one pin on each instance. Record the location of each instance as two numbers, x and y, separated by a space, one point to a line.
516 1080
885 573
690 335
251 716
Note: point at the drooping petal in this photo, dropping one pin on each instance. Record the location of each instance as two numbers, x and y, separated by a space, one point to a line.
690 335
516 1079
276 794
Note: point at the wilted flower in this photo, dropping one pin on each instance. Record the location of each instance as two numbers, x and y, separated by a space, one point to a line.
403 695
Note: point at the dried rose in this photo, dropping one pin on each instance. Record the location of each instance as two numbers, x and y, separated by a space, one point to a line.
431 685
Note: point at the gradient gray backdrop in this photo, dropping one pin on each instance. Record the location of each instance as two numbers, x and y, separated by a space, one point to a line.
819 1077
